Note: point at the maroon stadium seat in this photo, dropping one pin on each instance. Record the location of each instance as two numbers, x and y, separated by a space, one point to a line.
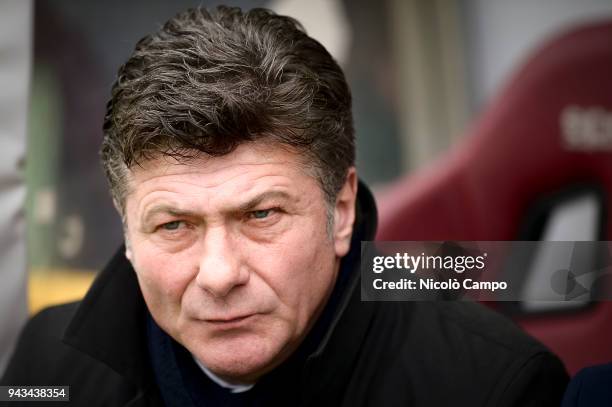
546 136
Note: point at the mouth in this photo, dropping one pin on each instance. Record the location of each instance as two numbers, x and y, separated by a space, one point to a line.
227 322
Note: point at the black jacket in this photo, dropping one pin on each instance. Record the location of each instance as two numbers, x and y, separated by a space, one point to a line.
590 387
373 353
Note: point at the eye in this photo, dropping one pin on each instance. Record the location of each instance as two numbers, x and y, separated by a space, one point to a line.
261 214
174 225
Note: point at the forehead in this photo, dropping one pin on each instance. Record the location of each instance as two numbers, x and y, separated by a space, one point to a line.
251 166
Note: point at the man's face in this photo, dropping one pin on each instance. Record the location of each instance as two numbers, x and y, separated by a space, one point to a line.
233 254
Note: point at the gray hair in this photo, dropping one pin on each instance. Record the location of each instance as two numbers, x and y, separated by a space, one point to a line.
208 81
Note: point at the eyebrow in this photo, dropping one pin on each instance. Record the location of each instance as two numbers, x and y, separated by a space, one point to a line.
165 209
244 207
258 199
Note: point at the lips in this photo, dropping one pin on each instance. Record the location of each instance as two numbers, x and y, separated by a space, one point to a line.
221 320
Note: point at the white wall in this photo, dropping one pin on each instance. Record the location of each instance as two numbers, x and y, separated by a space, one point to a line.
15 51
501 33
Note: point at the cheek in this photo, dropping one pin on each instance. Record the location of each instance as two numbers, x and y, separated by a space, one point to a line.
163 278
301 271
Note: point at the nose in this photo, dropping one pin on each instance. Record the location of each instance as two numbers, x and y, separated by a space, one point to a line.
220 268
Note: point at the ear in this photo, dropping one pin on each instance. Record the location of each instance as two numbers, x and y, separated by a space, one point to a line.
128 246
117 206
344 214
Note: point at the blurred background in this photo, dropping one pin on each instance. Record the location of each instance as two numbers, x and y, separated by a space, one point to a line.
423 74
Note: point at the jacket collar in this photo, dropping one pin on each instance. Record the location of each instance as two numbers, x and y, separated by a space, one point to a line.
365 228
109 324
329 367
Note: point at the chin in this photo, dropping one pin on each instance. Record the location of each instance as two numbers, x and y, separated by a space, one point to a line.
238 359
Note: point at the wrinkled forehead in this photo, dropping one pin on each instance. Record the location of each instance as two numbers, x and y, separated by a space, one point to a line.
247 157
250 168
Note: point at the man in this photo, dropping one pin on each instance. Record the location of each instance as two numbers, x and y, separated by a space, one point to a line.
229 149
